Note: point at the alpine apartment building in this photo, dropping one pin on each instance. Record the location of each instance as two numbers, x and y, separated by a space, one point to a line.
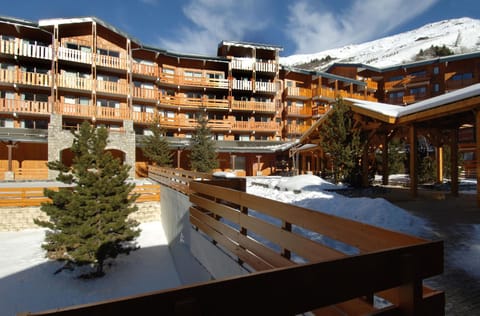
56 73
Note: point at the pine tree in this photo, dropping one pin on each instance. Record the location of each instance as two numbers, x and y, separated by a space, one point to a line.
156 147
343 143
203 157
89 219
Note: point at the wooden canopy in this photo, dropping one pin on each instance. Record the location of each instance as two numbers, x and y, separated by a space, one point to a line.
438 119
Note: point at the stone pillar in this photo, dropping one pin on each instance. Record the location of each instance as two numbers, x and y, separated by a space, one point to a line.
58 139
130 155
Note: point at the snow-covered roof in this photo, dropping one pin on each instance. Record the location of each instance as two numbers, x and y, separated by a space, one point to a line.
250 45
397 111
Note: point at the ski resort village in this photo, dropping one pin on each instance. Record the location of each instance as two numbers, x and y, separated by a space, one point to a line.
138 180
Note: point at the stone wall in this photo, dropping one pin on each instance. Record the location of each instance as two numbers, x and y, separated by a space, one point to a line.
59 139
20 218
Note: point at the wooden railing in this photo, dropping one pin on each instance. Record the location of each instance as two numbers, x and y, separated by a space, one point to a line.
290 236
184 102
298 92
33 196
182 80
177 179
24 48
257 106
299 110
24 106
376 263
145 69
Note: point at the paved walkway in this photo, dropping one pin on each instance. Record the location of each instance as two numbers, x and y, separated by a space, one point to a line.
455 220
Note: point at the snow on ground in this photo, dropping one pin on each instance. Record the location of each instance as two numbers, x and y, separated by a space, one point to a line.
27 282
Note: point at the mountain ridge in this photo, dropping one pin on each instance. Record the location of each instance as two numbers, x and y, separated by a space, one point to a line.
460 35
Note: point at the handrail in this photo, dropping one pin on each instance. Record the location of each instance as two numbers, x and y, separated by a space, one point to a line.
177 179
33 196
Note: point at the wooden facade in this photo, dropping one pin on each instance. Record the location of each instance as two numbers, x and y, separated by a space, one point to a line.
85 69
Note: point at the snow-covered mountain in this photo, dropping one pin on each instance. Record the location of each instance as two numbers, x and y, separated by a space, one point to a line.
459 35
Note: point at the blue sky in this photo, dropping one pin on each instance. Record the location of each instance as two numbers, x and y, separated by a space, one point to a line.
299 26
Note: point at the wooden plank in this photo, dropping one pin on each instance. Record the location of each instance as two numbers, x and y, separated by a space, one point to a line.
302 246
283 291
363 236
249 258
267 254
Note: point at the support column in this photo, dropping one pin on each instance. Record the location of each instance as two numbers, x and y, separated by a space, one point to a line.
477 153
385 165
439 160
454 162
365 183
412 134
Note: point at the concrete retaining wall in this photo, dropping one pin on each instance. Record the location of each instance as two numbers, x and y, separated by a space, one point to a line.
20 218
205 260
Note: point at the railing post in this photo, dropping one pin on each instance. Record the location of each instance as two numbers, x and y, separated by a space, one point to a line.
411 292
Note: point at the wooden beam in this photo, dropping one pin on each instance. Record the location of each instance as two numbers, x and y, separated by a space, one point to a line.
385 165
413 160
454 162
439 160
477 153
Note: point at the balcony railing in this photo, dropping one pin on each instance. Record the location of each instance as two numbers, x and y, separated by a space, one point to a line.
24 106
143 117
254 106
110 61
298 92
299 110
265 67
97 112
120 87
145 69
74 82
325 93
24 48
254 126
33 78
181 80
180 101
297 129
145 93
8 75
242 85
265 86
75 55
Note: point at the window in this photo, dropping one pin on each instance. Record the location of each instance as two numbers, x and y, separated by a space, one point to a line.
436 87
108 103
6 122
37 124
193 74
82 48
220 137
418 91
216 75
34 97
436 71
107 52
394 78
107 78
244 138
464 76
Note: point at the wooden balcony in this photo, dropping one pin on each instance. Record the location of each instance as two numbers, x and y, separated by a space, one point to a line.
110 61
120 87
242 85
293 129
254 126
145 70
243 63
269 87
8 75
18 47
143 117
181 80
25 78
297 93
34 79
408 99
324 93
74 82
145 93
305 111
92 111
270 67
371 85
24 106
74 55
406 81
253 106
183 102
